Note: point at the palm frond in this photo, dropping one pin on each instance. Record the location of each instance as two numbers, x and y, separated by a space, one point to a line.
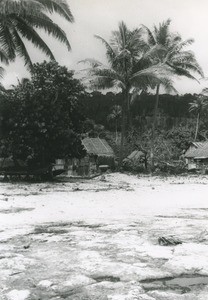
180 71
21 50
103 78
1 72
162 33
155 53
41 21
59 6
6 39
21 7
182 44
167 84
156 71
3 57
199 104
205 91
189 66
151 38
110 52
19 19
30 34
93 63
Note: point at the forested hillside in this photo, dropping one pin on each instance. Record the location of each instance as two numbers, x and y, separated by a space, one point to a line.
173 109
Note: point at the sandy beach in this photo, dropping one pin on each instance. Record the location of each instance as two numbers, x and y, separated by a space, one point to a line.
98 239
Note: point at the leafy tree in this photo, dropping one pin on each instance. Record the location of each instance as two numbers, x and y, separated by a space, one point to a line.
42 117
19 20
168 48
128 67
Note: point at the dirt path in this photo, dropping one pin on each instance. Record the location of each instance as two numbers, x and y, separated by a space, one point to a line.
99 239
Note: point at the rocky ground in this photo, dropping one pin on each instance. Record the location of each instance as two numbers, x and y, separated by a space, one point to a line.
98 239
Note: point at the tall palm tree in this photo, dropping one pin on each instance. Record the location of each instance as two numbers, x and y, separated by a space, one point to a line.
198 106
127 67
168 48
115 116
20 19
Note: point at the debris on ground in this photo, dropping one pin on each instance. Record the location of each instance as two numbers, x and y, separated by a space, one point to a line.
168 241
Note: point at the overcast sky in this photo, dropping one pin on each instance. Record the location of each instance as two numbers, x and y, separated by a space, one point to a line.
189 18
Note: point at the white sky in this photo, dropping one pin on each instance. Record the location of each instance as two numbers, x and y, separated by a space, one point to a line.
189 18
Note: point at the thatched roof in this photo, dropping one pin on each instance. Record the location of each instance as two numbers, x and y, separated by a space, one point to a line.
97 146
198 150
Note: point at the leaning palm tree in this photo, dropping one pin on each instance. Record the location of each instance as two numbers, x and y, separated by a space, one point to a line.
20 20
127 67
198 106
115 116
168 48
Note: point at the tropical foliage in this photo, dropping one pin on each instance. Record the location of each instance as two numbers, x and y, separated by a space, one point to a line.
129 67
21 19
42 118
198 107
168 48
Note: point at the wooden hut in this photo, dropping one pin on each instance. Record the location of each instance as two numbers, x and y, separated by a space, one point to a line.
197 156
98 153
135 161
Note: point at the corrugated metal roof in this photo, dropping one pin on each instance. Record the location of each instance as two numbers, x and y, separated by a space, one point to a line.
97 146
200 152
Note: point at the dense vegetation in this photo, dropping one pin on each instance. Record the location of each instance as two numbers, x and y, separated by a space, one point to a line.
171 107
42 117
176 124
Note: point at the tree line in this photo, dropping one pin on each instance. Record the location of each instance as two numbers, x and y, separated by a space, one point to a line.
138 60
98 106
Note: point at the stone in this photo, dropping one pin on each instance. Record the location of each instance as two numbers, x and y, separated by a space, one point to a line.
78 280
18 295
45 283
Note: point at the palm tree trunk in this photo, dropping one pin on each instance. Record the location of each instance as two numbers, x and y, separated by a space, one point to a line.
153 128
129 114
116 131
123 128
197 126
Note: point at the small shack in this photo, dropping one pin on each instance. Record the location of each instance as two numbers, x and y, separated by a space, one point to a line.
196 156
136 161
98 153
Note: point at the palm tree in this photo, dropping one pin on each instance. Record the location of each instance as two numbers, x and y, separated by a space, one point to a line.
198 106
168 48
115 116
127 67
20 19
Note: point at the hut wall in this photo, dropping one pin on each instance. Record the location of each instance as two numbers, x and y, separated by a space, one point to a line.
202 164
82 167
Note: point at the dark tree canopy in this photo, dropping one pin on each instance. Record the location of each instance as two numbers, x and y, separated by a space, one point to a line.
42 117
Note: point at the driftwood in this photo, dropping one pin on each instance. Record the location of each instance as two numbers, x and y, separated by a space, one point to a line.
168 241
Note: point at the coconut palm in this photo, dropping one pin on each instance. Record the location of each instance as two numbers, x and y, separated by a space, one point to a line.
115 116
168 48
198 106
20 20
127 67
